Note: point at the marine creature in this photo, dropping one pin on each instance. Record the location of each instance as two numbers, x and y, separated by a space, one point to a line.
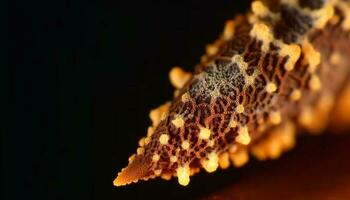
279 70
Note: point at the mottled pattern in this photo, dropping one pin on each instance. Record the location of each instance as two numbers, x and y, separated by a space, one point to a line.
221 78
313 4
249 93
292 25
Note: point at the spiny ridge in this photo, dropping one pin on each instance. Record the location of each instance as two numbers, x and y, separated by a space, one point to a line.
260 82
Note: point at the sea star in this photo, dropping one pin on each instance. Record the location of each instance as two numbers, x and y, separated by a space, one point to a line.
275 71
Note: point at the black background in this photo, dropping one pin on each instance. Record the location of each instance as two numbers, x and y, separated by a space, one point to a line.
83 77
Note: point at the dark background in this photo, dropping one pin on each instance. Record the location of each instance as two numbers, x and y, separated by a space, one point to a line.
83 77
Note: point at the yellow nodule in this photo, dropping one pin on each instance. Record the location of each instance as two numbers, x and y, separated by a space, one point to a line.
224 160
185 144
315 83
178 122
183 175
293 51
212 163
296 95
259 9
155 157
275 117
240 109
173 159
204 133
140 150
239 158
263 33
185 97
271 87
211 49
311 56
243 136
163 139
178 77
229 30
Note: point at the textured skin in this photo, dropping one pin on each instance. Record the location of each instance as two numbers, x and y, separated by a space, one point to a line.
275 71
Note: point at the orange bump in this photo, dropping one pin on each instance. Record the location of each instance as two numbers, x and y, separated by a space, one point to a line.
178 77
243 136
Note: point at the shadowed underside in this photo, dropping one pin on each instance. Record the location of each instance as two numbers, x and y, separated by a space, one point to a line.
281 68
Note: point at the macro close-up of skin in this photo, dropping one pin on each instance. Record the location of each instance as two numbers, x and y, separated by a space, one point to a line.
170 99
279 70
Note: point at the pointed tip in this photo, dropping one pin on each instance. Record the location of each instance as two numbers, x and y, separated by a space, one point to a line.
122 179
119 181
136 170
